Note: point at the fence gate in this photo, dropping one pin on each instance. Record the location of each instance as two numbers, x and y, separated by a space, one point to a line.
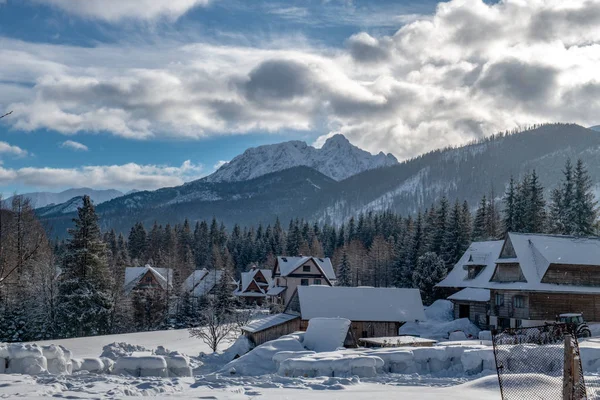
538 363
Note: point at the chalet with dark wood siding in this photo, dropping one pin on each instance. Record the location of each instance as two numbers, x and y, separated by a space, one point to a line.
254 285
291 272
537 277
147 278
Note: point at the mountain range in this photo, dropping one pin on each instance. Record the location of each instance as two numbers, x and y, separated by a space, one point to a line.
43 199
243 192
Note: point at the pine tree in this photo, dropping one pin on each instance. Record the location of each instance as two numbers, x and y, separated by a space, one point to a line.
430 270
480 228
344 275
583 205
440 226
84 292
509 220
536 211
457 237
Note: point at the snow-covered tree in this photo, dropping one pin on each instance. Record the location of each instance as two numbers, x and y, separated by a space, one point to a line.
84 298
583 206
430 270
344 275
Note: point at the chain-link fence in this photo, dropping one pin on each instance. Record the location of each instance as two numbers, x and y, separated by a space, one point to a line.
531 363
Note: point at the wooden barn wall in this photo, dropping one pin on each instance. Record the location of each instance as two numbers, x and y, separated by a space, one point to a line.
274 332
478 311
578 275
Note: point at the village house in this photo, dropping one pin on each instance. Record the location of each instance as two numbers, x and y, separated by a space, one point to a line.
254 285
537 277
147 278
201 282
291 272
373 312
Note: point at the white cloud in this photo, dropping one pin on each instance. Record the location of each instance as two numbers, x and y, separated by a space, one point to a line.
219 164
116 10
102 176
6 148
73 145
469 70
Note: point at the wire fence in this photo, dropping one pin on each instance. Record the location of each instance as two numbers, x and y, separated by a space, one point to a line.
531 363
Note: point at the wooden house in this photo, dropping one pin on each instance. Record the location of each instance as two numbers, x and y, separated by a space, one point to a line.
201 282
373 312
537 277
290 273
147 278
254 285
271 327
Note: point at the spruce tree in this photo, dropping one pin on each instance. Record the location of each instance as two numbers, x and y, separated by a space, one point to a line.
583 205
457 237
536 210
440 226
344 275
509 220
84 297
480 228
429 271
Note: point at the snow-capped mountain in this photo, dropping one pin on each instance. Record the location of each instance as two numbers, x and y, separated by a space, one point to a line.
43 199
337 159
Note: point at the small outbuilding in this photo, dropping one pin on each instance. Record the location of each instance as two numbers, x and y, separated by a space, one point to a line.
271 327
472 303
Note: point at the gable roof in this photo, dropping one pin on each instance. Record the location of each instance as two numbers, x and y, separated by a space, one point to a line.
478 253
248 277
164 276
287 265
534 253
361 303
194 279
268 322
206 284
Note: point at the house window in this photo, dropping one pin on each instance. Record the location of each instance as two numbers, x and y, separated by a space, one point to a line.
519 301
148 279
304 282
518 323
306 268
317 281
499 299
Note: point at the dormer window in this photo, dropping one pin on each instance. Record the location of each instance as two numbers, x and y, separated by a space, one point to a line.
474 271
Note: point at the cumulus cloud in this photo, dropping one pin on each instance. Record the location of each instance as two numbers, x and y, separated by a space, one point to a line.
116 10
6 148
73 145
102 176
219 164
469 70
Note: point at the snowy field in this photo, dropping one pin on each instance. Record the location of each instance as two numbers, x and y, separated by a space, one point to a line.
262 374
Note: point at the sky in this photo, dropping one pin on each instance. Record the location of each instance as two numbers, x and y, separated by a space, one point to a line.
145 94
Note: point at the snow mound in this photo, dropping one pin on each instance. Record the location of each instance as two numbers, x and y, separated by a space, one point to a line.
260 360
439 330
178 366
93 365
141 366
116 350
240 347
58 362
440 310
326 334
457 336
25 359
330 364
485 335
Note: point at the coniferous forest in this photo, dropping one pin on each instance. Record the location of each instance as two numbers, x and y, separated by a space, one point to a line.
74 287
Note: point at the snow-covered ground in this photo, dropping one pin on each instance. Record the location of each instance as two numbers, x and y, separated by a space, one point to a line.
174 340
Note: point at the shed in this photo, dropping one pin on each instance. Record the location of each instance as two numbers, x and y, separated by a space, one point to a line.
472 303
271 327
374 312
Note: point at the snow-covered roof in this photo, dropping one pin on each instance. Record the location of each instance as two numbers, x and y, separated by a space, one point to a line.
194 278
134 274
287 265
207 283
268 322
248 277
274 291
361 304
534 254
472 294
486 253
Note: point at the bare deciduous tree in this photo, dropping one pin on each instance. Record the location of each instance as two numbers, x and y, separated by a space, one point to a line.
216 326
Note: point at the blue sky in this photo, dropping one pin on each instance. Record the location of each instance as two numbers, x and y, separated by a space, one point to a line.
110 95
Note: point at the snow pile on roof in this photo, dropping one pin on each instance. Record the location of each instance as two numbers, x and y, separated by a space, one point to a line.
287 265
471 294
361 303
268 322
326 334
133 275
